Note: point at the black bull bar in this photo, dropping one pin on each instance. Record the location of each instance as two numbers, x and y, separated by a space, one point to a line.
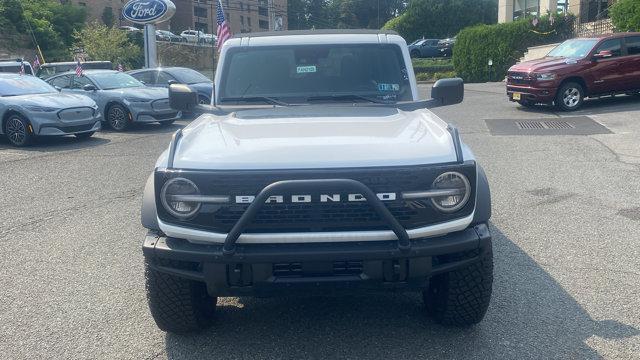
350 185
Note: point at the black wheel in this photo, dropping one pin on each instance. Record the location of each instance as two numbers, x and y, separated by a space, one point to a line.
415 53
461 297
18 130
118 117
166 122
178 305
85 135
570 96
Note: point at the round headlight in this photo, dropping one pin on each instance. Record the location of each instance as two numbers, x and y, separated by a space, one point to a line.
461 190
171 194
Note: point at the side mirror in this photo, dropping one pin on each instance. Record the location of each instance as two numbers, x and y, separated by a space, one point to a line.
603 54
447 92
171 82
58 88
182 98
143 83
89 87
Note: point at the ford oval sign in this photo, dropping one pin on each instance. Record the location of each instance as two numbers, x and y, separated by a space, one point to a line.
148 11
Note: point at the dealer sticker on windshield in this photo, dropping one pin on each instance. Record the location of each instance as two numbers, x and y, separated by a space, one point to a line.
306 69
388 87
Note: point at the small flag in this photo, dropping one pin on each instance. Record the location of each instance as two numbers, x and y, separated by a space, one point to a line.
120 68
21 67
78 68
223 32
36 63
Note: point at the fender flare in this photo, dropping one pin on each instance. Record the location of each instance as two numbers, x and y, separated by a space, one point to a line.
483 198
149 213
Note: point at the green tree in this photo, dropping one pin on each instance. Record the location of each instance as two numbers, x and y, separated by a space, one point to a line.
442 18
625 15
101 42
107 16
346 14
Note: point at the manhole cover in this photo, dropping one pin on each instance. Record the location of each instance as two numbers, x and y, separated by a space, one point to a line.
578 125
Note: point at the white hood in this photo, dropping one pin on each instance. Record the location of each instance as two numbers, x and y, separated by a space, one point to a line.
314 137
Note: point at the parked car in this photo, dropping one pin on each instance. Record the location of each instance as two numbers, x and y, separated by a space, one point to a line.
165 35
163 76
121 98
29 107
577 69
47 70
425 48
210 38
13 66
193 36
130 28
320 171
445 46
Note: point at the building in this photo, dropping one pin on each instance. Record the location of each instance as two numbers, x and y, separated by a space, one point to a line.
242 15
584 10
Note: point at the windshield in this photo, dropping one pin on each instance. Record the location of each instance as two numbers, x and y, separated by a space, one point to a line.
328 72
114 80
575 48
188 76
24 85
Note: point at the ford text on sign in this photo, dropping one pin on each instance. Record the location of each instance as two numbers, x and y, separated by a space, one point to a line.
148 11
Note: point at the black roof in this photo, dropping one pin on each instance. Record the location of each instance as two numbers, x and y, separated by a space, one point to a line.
317 32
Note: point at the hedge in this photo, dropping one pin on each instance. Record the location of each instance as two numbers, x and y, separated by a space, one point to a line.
503 44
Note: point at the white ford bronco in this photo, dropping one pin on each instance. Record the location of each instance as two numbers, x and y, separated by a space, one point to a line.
318 170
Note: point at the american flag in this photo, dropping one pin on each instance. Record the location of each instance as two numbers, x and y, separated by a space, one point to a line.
120 68
78 68
21 67
224 32
36 63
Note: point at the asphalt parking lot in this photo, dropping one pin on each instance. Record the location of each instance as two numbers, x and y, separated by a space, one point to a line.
566 228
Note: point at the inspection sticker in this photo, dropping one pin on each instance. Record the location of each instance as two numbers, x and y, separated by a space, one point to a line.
388 87
306 69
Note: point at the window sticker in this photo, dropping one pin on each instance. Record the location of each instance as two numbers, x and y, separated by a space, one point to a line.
306 69
388 87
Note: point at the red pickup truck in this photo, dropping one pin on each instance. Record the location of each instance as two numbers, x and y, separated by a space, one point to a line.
576 69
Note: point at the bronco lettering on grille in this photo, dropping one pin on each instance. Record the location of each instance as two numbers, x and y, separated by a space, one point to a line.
279 199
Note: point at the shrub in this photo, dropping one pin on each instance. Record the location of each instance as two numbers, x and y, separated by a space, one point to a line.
504 45
625 15
428 76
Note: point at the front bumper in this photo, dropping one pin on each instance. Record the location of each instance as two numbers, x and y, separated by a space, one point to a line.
49 124
145 113
535 93
272 269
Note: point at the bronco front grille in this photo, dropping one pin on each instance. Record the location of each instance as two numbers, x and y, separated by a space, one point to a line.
316 216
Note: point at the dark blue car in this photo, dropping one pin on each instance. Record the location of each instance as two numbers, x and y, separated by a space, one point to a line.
163 76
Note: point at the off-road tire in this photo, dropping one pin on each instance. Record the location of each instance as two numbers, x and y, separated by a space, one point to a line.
178 305
461 297
575 102
85 135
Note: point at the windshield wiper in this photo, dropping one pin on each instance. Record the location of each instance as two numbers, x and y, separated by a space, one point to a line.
267 99
347 97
